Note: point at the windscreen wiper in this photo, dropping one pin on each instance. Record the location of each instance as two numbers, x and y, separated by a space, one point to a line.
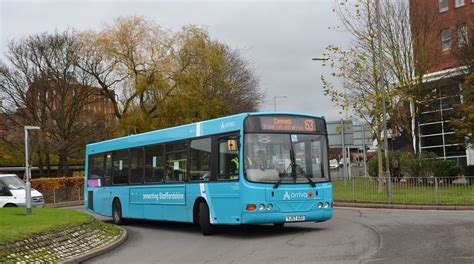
307 176
281 178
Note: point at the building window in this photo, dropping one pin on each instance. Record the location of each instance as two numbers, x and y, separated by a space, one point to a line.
462 35
443 5
445 39
458 3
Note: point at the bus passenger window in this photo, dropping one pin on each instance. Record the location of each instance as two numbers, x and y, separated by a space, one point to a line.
154 163
176 162
120 167
136 172
108 170
200 160
96 167
228 159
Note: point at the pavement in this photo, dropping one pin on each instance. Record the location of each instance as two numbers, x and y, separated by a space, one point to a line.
354 235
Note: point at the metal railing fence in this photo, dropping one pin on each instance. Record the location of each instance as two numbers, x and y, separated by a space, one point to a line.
406 190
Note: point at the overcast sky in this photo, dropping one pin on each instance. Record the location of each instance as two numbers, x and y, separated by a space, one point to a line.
279 38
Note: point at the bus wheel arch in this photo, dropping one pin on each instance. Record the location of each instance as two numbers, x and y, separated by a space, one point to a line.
10 205
117 212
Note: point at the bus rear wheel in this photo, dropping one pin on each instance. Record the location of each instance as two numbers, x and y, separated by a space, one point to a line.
117 213
205 220
10 205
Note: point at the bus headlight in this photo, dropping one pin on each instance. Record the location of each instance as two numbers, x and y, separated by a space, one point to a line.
270 207
326 205
261 207
320 205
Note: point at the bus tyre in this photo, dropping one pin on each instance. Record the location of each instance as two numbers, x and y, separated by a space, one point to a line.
117 213
279 225
205 220
10 205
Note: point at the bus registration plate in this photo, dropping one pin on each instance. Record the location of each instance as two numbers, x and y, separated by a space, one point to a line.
294 218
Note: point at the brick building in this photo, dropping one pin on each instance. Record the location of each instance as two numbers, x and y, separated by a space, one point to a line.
450 27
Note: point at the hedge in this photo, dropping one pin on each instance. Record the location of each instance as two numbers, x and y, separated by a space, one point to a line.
46 184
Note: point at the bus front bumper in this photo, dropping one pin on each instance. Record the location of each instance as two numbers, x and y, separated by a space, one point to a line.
278 217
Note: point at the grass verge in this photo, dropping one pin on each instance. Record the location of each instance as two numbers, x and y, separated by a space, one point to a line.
15 225
364 189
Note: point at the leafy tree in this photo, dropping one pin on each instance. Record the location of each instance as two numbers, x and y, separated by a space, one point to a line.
166 78
404 59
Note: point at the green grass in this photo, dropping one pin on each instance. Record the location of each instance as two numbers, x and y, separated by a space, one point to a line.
15 225
403 193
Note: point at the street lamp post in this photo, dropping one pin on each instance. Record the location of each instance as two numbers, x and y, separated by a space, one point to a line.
275 101
28 171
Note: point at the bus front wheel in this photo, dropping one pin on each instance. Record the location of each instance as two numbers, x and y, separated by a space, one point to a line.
205 220
117 213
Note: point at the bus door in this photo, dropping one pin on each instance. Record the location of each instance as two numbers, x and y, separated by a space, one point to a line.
223 196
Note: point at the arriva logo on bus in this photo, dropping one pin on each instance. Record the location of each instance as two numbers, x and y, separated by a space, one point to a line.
225 125
288 196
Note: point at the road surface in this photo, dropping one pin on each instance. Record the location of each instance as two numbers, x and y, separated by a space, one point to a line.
352 236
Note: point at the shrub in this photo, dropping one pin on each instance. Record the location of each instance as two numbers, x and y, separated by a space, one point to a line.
422 165
469 170
46 184
406 164
447 168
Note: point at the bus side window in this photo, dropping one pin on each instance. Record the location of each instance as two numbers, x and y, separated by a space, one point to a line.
228 164
154 163
136 166
200 159
120 161
96 167
108 170
176 156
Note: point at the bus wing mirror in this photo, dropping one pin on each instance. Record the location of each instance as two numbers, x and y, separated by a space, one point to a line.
232 145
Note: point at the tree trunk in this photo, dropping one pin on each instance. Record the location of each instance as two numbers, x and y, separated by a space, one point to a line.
63 169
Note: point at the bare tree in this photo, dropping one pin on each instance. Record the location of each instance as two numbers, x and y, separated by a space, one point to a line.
43 86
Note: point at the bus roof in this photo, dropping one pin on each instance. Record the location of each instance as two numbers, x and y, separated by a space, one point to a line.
209 127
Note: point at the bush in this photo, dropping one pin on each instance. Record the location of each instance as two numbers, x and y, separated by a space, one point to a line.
469 170
447 168
422 165
406 164
46 184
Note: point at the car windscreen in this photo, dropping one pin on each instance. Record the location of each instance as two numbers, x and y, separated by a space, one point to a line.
12 183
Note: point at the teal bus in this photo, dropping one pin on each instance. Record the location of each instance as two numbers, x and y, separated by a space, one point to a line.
250 168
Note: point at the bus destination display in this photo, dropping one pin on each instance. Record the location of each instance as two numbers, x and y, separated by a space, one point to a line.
287 124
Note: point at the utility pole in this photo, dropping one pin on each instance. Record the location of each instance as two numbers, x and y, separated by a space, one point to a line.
382 90
28 171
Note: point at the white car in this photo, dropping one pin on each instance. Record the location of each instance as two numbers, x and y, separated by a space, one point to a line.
333 164
12 192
